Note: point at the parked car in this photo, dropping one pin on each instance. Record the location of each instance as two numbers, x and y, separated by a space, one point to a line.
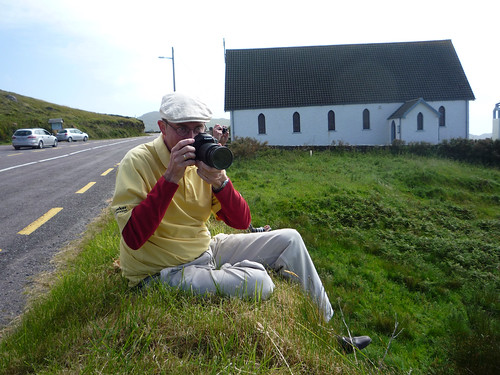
72 134
35 138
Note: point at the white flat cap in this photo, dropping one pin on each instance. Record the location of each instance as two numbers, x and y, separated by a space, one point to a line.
177 108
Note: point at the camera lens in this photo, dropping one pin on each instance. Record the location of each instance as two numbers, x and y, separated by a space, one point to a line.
211 153
220 157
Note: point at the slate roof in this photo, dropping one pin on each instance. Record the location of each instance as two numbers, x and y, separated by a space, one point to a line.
344 74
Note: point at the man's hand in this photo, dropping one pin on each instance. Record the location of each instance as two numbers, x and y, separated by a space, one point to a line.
213 176
181 155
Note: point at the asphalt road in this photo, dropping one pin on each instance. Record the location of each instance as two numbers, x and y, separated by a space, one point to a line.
48 197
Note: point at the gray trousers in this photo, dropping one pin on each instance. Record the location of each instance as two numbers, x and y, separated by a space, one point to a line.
235 265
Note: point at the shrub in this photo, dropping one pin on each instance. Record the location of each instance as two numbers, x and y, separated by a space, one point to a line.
481 151
397 147
422 148
246 147
484 151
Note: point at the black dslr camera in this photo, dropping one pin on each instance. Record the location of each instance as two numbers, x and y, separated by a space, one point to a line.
211 153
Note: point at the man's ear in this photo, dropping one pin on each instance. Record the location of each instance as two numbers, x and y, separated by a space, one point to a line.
162 127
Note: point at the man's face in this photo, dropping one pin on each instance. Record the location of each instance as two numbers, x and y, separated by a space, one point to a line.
173 133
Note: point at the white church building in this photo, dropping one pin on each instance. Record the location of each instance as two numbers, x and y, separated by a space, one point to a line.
360 94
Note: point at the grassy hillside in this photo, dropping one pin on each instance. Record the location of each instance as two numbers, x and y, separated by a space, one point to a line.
408 248
17 111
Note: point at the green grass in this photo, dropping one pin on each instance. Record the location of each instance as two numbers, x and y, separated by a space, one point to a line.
406 239
26 112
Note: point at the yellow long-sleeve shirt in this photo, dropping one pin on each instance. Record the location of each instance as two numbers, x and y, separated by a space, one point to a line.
182 234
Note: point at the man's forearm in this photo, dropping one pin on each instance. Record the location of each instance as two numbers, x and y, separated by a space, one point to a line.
148 214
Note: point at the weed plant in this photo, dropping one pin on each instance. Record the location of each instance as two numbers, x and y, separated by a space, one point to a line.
407 247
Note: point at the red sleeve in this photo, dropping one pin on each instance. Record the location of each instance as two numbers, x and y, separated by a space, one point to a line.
148 214
234 209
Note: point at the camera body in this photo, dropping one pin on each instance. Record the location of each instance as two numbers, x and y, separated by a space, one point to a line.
209 151
224 130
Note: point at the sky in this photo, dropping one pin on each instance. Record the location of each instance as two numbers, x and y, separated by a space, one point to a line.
102 55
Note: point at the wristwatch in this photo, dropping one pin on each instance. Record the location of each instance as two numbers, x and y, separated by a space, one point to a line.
221 187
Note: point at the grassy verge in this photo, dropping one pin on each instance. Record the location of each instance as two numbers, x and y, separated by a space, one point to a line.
398 240
91 322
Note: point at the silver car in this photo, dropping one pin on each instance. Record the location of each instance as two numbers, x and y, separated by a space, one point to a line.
35 138
72 134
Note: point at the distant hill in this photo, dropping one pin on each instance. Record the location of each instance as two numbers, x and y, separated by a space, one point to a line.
18 111
150 120
482 136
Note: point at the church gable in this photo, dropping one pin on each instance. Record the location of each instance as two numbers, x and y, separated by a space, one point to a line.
409 106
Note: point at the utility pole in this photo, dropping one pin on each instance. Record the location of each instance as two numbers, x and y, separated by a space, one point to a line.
173 63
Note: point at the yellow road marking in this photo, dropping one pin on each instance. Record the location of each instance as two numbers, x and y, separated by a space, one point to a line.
106 172
14 154
40 221
85 188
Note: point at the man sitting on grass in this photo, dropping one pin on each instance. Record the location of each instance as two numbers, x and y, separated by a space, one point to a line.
164 197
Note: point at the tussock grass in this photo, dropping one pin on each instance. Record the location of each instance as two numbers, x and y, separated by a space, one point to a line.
405 240
91 322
